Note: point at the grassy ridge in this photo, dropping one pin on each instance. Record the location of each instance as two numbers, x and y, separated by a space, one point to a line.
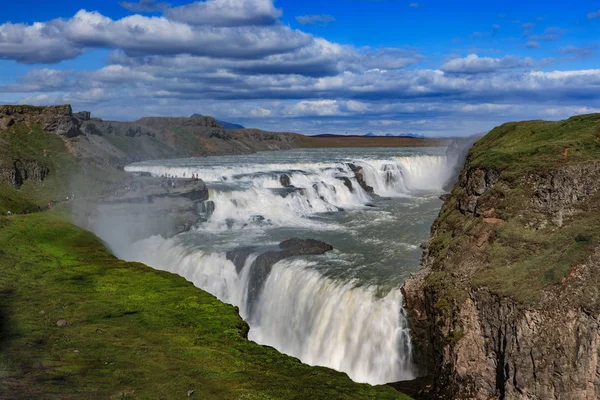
131 332
518 148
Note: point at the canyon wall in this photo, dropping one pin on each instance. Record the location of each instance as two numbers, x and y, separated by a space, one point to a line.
507 303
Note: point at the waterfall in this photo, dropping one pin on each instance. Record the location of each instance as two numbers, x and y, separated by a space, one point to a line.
254 194
300 312
324 313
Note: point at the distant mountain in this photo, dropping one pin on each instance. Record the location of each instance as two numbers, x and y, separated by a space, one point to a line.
412 135
226 125
408 135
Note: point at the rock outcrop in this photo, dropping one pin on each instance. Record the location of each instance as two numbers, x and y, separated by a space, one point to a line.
55 119
507 303
359 175
262 265
143 207
16 172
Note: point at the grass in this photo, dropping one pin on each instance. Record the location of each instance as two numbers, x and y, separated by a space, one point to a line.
522 147
522 262
31 144
511 258
67 175
132 332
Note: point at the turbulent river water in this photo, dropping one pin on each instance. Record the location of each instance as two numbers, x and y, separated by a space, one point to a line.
342 309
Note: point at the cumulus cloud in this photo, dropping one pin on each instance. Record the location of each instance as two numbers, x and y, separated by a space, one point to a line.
226 13
532 45
37 43
473 64
57 40
314 19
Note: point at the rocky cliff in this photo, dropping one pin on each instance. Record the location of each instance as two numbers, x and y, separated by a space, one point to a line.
507 303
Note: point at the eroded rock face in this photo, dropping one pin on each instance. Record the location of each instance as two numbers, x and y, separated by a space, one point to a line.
198 121
480 345
55 119
18 171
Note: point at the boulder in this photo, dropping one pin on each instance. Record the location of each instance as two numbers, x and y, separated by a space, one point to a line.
285 181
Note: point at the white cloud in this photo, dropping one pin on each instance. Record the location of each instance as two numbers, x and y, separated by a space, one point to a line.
473 64
226 13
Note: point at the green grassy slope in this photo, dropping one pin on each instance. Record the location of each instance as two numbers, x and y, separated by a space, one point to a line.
132 332
517 148
66 174
500 249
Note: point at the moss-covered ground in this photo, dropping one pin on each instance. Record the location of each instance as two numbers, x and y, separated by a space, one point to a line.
130 331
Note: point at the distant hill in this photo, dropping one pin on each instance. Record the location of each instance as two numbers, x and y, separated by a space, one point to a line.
411 135
226 125
370 134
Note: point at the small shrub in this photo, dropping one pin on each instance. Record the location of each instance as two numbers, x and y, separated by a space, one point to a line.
583 238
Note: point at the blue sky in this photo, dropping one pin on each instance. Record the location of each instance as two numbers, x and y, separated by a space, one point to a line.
347 66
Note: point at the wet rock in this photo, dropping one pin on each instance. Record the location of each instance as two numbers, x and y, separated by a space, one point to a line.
359 174
206 208
285 181
347 183
239 256
261 267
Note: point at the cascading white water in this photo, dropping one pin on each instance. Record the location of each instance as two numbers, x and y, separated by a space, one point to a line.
300 312
324 314
334 324
318 187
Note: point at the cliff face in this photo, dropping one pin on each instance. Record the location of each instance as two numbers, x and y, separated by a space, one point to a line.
507 303
56 119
